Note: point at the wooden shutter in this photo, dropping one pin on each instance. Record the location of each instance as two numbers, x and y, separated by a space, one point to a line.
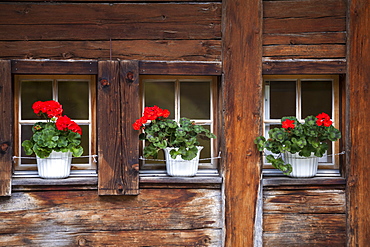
117 108
6 127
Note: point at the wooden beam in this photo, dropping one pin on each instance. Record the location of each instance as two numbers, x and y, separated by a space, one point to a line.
6 127
319 66
242 93
54 67
179 68
358 79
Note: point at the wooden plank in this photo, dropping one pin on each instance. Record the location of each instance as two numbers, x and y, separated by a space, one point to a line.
311 8
54 67
169 16
324 201
118 1
179 68
130 100
304 25
305 51
6 127
304 239
169 238
191 50
281 67
242 90
304 38
358 74
287 181
109 129
71 213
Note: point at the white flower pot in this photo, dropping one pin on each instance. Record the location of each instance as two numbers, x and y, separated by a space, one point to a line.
303 167
179 167
57 165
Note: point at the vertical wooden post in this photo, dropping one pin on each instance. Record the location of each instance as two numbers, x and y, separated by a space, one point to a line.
242 99
6 127
358 79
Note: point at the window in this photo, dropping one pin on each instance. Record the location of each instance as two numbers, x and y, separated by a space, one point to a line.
301 96
77 95
184 96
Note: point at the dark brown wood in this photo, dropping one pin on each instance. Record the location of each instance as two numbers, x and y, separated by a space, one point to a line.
130 98
358 172
304 201
191 50
6 127
179 68
109 130
316 38
283 181
332 66
54 67
242 89
312 8
305 51
160 217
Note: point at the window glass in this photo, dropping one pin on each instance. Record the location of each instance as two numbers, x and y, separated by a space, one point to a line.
316 97
76 94
282 98
183 96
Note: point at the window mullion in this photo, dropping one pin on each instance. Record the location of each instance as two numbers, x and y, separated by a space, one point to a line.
298 100
177 101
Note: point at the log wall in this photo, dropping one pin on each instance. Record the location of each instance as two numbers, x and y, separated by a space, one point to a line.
156 217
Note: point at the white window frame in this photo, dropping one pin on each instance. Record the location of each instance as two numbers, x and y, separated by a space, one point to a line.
324 165
210 164
80 169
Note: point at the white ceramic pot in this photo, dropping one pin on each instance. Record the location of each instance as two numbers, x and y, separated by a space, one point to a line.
179 167
303 167
57 165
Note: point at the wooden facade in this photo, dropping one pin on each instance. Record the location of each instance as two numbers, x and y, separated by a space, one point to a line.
237 40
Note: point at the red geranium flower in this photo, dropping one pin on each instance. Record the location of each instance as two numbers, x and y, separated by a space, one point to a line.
51 108
150 113
323 119
287 123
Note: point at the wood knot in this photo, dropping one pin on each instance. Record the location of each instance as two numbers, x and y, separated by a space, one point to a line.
135 167
104 82
4 147
130 77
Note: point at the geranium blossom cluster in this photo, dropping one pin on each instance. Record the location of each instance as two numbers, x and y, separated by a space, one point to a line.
53 109
323 119
150 113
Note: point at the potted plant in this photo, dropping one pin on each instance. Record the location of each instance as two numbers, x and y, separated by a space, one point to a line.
178 140
53 141
302 142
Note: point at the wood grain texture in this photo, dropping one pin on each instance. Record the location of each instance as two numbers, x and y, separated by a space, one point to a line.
358 186
180 68
315 66
54 67
6 128
242 88
185 50
166 217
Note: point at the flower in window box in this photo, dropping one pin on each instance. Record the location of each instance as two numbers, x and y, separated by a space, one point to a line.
305 139
159 132
58 133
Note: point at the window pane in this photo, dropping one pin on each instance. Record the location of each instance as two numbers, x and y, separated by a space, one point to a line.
32 91
195 100
85 144
206 151
282 99
26 131
316 97
74 96
161 94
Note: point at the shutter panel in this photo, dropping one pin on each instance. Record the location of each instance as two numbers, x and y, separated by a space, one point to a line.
117 92
6 127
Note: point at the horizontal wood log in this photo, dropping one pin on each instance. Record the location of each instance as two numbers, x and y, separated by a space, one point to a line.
176 15
156 215
193 50
311 8
180 68
324 201
170 238
54 67
303 239
316 181
303 66
118 1
305 38
303 25
305 51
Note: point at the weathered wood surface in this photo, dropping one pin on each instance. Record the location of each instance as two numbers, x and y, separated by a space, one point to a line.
304 29
180 68
54 67
242 91
357 169
166 217
304 216
284 67
6 127
191 50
